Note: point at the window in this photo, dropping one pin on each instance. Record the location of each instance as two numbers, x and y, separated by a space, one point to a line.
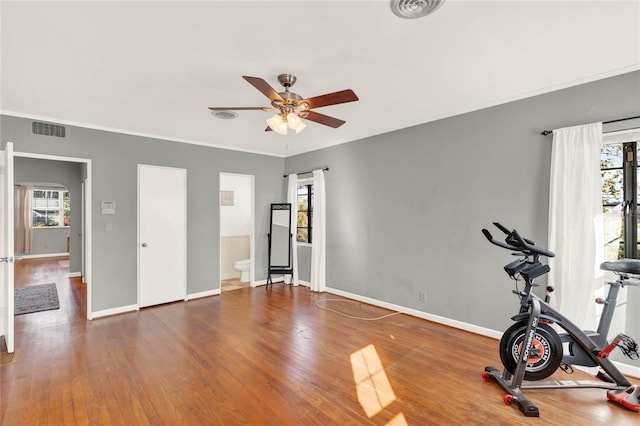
50 207
305 213
619 170
620 196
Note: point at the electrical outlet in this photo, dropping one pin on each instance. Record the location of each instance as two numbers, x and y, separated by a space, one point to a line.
422 296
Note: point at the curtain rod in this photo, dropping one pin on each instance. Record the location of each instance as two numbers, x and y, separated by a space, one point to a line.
39 186
326 169
548 132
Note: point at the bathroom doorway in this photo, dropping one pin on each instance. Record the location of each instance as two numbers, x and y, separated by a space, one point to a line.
237 231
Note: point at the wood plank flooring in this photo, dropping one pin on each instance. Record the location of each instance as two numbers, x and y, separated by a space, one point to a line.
232 284
260 357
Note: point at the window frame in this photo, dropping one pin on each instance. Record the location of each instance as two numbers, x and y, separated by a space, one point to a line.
630 194
309 212
61 207
630 197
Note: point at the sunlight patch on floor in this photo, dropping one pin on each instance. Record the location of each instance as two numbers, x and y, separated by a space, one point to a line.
398 420
372 385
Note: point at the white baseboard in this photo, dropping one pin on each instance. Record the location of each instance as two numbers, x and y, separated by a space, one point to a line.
132 308
114 311
37 256
75 274
626 369
202 294
430 317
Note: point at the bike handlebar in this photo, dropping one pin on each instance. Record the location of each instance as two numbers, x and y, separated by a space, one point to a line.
502 228
515 242
489 237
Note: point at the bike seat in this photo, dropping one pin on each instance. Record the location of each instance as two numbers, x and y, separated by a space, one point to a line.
625 266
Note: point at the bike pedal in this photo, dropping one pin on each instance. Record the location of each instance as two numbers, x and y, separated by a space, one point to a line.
629 347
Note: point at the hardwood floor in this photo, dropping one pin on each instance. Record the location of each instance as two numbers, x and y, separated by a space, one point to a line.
261 357
232 284
71 292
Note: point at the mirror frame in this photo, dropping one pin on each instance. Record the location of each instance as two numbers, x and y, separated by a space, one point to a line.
288 268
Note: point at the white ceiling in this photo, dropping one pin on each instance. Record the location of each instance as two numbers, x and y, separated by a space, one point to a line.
153 68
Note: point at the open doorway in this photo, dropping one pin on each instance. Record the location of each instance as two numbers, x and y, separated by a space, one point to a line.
56 195
237 225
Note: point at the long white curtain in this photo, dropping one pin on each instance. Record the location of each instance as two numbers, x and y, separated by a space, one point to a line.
575 221
318 234
23 239
292 197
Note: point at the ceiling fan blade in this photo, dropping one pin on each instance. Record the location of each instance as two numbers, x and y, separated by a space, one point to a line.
263 87
240 108
324 119
334 98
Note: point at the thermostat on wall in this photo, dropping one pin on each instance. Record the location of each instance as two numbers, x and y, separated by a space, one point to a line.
108 207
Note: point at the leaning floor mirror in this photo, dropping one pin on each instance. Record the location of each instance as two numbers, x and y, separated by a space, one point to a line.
280 241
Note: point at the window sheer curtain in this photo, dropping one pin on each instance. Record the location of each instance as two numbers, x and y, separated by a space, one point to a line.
575 221
318 234
292 197
22 219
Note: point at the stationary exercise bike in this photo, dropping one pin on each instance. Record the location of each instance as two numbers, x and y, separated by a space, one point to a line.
531 350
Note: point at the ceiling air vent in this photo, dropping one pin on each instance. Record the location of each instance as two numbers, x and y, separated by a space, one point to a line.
411 9
225 115
40 128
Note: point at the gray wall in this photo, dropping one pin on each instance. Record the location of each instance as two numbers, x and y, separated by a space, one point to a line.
114 159
47 241
405 209
69 175
304 263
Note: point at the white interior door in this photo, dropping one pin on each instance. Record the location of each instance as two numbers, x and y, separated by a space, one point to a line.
6 246
162 234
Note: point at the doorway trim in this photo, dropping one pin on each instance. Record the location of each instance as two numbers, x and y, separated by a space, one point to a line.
86 213
252 236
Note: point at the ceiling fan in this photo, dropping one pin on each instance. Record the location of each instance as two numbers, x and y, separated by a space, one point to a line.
292 108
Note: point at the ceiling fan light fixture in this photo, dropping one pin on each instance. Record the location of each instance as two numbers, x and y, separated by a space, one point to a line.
277 124
293 120
291 108
300 127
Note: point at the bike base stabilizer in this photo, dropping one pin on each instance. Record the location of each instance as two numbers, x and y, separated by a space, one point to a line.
629 398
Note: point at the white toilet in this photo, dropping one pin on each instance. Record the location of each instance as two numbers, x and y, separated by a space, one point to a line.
243 266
